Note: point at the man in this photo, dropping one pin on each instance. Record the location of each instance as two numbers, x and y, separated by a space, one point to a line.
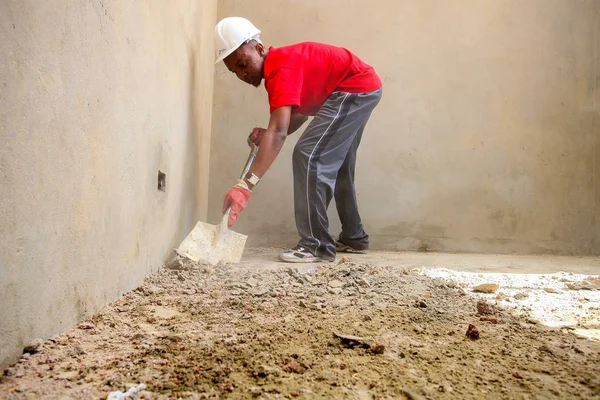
306 79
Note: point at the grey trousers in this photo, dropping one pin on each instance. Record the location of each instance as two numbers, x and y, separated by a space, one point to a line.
323 161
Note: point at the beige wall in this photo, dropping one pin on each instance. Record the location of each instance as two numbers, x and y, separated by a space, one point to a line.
596 130
96 97
484 141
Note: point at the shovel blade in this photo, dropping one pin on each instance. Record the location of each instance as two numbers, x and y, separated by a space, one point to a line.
212 244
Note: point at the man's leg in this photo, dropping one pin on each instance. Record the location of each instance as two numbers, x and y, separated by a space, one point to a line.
353 233
318 156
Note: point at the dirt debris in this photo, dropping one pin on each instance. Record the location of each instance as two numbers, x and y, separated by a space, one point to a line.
257 331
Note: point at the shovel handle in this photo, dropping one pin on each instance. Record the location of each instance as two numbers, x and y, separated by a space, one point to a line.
249 161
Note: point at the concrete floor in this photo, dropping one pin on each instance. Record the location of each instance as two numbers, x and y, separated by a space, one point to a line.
515 264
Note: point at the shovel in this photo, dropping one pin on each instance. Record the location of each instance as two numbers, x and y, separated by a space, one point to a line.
213 244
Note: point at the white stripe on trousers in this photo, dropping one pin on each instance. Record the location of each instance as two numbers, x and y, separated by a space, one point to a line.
308 168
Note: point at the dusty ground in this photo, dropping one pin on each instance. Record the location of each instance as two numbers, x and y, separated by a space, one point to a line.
252 331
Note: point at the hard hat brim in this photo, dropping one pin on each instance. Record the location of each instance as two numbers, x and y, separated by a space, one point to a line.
226 54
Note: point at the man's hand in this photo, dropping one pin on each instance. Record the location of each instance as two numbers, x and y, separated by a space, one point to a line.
237 198
256 136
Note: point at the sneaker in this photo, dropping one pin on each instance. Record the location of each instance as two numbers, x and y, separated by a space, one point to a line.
300 255
354 248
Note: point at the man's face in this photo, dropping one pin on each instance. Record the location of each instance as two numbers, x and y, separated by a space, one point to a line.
247 62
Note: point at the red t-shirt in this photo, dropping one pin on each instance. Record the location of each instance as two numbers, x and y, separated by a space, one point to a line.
303 75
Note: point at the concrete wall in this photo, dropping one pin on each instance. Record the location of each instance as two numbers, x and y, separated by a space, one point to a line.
484 141
596 132
96 97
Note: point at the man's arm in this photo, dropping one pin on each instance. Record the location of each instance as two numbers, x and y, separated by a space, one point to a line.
272 140
296 121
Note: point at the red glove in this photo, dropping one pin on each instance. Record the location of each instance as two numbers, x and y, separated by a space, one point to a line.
256 136
237 198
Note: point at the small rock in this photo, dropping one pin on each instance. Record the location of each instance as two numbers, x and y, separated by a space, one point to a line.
484 308
252 282
363 282
264 370
546 349
583 286
422 304
33 347
169 385
86 325
150 290
517 375
411 394
336 290
338 364
486 288
521 296
551 290
377 348
446 388
294 367
77 351
176 263
472 332
56 338
335 284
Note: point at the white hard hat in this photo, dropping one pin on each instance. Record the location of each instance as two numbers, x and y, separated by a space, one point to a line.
231 33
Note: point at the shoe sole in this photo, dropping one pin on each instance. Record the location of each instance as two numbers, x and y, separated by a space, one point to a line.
342 248
301 260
